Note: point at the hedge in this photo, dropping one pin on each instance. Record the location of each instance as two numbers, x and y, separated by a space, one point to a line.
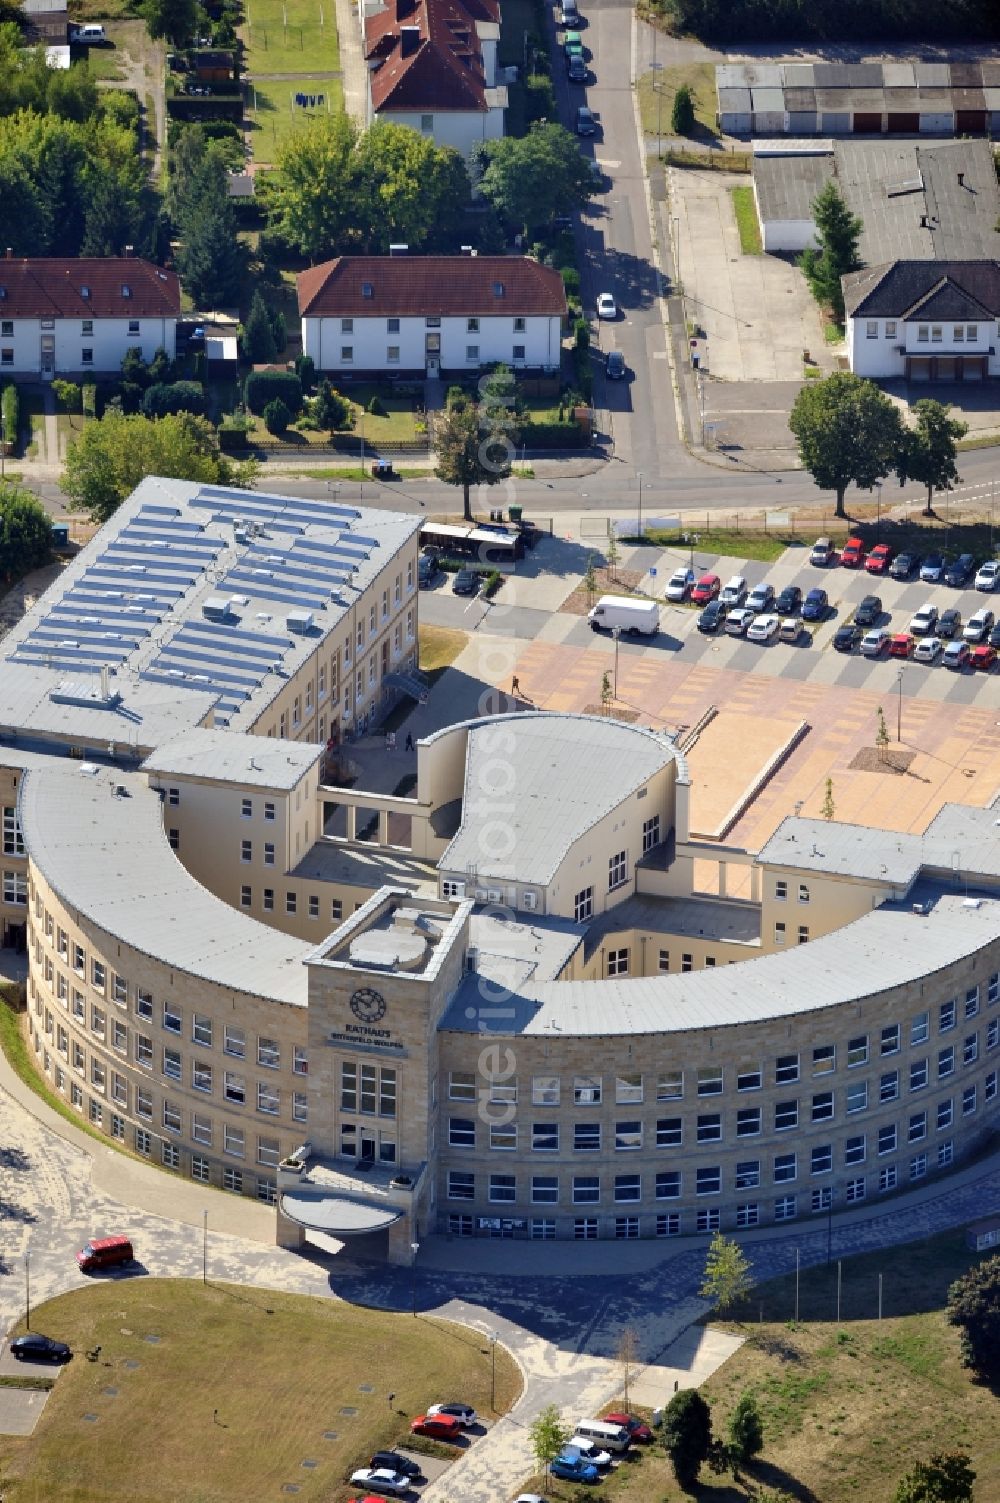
551 436
262 387
176 396
11 414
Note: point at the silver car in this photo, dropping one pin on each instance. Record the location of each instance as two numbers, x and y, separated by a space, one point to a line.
380 1480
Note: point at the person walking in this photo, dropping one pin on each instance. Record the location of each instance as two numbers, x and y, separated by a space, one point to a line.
409 742
515 685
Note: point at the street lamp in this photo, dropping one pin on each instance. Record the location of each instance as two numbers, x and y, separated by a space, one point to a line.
27 1289
694 543
616 632
639 478
414 1249
899 705
204 1246
491 1337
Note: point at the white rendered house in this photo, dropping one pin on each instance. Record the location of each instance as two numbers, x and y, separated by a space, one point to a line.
386 315
66 316
924 320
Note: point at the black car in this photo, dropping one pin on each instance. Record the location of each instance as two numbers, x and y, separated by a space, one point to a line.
712 617
585 122
576 68
868 611
34 1347
960 572
614 366
466 582
394 1461
949 623
789 601
904 565
814 607
994 636
846 638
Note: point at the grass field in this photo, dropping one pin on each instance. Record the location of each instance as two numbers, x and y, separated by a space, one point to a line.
273 116
308 44
700 79
406 472
241 1387
764 547
439 647
746 221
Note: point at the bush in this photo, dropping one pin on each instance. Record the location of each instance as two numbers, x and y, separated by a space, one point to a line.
376 407
11 412
456 399
974 1307
582 334
687 1434
330 410
571 281
68 395
539 98
262 387
276 417
178 396
305 369
682 113
90 400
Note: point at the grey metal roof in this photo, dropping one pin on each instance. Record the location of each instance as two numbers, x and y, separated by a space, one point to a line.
787 185
890 947
107 857
843 850
694 918
338 1215
569 771
235 757
903 289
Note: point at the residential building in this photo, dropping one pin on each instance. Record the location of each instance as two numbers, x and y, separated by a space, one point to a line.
924 320
69 317
428 315
433 65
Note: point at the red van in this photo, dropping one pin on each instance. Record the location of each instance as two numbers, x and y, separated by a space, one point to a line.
853 553
104 1252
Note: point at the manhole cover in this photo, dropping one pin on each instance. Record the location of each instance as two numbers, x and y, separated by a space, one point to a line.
366 1387
348 1409
152 1340
289 1487
91 1419
112 1393
329 1435
309 1465
132 1364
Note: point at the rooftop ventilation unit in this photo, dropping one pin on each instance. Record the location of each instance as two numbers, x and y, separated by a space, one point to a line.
216 609
300 621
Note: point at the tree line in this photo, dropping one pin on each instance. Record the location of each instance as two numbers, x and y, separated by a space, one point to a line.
831 20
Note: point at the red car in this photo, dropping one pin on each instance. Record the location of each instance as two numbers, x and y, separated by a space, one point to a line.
879 559
853 555
902 645
637 1428
706 589
983 656
438 1426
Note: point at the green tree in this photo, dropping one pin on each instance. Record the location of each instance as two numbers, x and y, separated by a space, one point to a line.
946 1478
848 433
612 556
590 580
607 693
25 532
881 734
746 1429
974 1307
259 345
110 457
109 223
687 1434
470 451
548 1436
682 112
211 260
276 417
838 232
531 179
727 1279
331 411
929 449
175 20
415 191
310 195
628 1356
827 808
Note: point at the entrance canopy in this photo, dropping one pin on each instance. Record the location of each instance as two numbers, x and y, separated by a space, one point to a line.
338 1215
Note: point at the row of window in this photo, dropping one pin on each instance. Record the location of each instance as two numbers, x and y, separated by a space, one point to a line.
588 1189
291 902
86 326
392 352
926 333
13 840
392 325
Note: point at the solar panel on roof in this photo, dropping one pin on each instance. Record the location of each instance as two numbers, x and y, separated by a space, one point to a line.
206 628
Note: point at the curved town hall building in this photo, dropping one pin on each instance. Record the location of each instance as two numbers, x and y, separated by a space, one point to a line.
493 1005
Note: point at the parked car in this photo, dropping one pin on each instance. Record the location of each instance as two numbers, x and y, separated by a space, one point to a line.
984 656
437 1426
875 642
34 1347
735 592
395 1461
381 1481
591 1451
706 589
789 601
846 638
576 68
763 628
105 1252
712 617
924 622
585 122
572 43
466 582
994 637
790 630
928 650
879 559
822 553
853 553
761 597
606 306
932 568
903 565
614 366
637 1428
680 584
960 572
570 14
956 655
979 626
988 577
815 606
427 571
464 1413
949 623
573 1467
738 621
869 611
901 645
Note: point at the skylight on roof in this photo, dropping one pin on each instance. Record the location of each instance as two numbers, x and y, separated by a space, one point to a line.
126 290
84 291
367 290
498 289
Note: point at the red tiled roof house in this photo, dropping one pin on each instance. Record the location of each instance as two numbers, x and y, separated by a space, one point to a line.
432 65
431 314
65 317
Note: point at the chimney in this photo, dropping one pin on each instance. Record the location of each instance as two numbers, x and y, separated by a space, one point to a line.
127 251
409 40
961 179
10 253
404 8
923 221
399 249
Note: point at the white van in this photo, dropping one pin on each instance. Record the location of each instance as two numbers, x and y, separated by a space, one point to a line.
612 1437
626 613
90 32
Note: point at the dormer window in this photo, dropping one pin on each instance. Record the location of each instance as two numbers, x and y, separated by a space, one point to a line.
498 289
367 290
126 290
84 291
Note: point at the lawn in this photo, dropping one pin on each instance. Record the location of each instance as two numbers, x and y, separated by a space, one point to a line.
308 44
745 210
399 425
700 79
439 647
105 62
764 547
242 1384
405 472
272 114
